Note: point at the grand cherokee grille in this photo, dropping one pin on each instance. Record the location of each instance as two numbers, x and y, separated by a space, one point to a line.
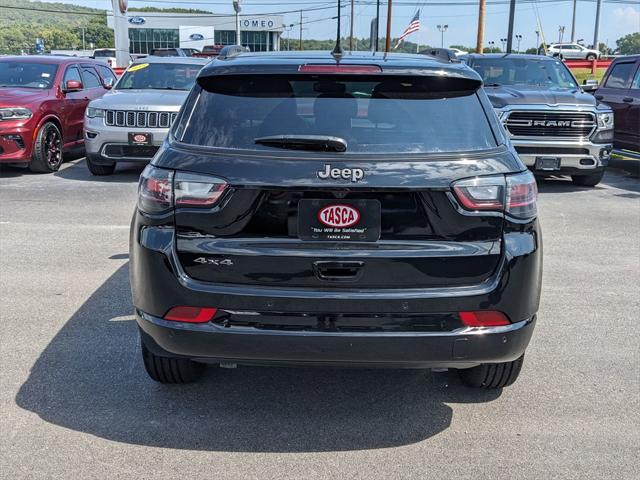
550 124
130 118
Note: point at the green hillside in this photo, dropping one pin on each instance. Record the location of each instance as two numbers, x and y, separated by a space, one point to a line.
59 24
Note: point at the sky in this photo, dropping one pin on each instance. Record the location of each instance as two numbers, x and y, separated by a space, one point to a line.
618 18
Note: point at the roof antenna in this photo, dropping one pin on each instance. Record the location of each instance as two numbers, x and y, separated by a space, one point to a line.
337 50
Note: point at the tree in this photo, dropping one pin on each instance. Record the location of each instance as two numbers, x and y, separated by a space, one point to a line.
629 44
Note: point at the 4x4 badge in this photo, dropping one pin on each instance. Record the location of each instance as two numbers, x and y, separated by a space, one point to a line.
353 174
214 261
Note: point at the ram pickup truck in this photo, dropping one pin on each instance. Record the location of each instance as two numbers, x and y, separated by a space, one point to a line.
556 128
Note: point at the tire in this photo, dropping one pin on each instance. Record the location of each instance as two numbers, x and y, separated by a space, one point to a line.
492 375
171 369
47 149
587 180
100 170
592 56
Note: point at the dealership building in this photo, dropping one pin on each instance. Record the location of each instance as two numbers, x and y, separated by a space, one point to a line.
147 30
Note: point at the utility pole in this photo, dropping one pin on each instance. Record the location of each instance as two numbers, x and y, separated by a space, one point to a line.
595 32
351 33
480 39
375 49
573 22
387 43
300 29
512 14
83 44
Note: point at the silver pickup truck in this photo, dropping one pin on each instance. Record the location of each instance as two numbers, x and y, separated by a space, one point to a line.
130 123
556 128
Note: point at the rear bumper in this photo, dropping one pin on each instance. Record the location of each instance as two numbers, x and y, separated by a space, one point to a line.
159 283
462 348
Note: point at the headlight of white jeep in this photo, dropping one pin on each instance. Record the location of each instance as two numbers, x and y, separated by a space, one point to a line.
95 112
17 113
605 120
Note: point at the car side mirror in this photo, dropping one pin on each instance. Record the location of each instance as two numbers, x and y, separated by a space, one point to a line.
590 85
108 83
72 86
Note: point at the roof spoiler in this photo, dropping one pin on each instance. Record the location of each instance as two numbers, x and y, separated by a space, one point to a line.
442 54
232 51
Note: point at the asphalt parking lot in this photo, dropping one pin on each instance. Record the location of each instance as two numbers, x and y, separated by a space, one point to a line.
76 403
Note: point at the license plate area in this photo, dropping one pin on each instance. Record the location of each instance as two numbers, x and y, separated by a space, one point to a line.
140 139
548 164
339 220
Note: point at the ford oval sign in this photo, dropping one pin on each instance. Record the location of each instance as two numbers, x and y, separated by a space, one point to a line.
338 216
137 21
196 37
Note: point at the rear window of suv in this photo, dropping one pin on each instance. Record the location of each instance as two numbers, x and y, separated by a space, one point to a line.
381 114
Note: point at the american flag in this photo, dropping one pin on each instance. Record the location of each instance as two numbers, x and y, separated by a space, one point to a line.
414 26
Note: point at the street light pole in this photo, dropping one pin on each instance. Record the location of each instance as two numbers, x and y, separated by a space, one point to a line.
236 7
538 41
442 29
504 42
518 39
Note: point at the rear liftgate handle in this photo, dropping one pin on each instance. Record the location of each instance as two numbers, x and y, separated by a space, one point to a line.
348 271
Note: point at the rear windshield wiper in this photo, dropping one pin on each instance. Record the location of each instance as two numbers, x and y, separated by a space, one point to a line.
322 143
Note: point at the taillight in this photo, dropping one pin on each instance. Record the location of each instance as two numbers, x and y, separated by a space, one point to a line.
481 193
483 318
522 195
191 314
160 190
515 195
192 190
155 190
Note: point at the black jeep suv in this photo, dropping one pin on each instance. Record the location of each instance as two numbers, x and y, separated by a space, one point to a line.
362 212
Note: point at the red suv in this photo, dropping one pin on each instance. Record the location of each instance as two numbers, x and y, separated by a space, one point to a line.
42 104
